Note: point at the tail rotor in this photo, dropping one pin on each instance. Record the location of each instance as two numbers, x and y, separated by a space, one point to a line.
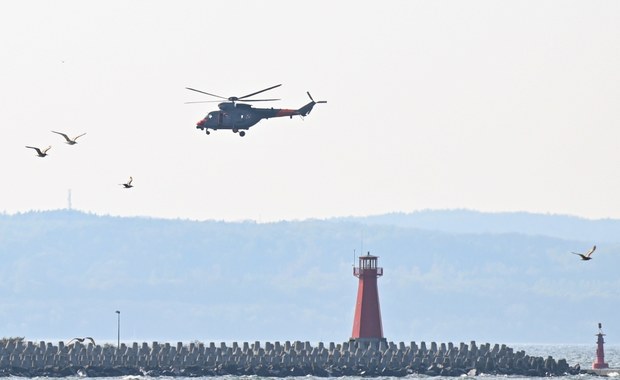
313 101
305 110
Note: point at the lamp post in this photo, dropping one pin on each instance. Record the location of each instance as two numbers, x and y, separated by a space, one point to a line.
118 330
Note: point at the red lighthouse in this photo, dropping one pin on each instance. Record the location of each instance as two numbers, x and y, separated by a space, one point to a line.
367 321
599 363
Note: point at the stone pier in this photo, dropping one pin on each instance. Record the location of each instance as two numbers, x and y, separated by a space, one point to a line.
276 359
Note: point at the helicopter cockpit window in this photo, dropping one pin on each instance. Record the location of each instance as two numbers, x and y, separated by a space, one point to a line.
210 116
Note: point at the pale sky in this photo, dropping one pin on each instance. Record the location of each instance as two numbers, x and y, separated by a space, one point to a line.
484 105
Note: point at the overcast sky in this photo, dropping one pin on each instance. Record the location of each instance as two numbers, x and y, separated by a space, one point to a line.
485 105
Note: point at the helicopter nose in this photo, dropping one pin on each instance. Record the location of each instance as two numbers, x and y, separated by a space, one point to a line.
200 123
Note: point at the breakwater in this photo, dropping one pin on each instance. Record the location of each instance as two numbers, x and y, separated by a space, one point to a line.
379 358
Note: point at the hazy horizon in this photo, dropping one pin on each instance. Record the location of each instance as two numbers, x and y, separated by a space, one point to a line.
310 218
65 273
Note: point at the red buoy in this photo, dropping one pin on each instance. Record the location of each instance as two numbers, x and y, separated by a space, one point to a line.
367 321
600 352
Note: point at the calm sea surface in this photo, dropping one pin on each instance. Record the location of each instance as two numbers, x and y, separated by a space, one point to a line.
574 354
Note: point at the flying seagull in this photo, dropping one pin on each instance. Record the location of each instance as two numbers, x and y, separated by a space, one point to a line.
128 184
40 153
69 141
587 255
81 340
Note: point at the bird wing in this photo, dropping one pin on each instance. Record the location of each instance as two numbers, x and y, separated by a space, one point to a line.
76 137
130 180
71 341
591 251
46 149
63 135
35 148
91 339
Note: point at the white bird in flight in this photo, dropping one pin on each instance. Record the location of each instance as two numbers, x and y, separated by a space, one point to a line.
128 184
40 153
69 140
586 256
81 340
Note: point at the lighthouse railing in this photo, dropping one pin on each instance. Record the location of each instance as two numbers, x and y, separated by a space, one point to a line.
362 271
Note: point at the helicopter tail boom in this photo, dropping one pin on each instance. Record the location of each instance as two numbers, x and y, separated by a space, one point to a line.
305 110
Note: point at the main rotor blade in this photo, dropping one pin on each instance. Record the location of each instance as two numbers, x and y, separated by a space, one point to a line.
260 100
206 93
204 101
258 92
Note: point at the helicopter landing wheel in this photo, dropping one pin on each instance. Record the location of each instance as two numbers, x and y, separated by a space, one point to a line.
242 133
207 131
235 130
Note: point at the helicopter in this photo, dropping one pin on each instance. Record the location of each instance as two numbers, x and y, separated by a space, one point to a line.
239 117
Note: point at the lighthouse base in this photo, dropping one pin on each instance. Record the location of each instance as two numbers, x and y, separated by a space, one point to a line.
377 343
608 372
600 365
368 340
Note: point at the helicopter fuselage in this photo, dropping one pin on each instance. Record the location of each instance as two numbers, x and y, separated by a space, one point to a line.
241 116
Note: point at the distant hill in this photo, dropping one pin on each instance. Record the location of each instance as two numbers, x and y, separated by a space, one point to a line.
64 273
467 221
